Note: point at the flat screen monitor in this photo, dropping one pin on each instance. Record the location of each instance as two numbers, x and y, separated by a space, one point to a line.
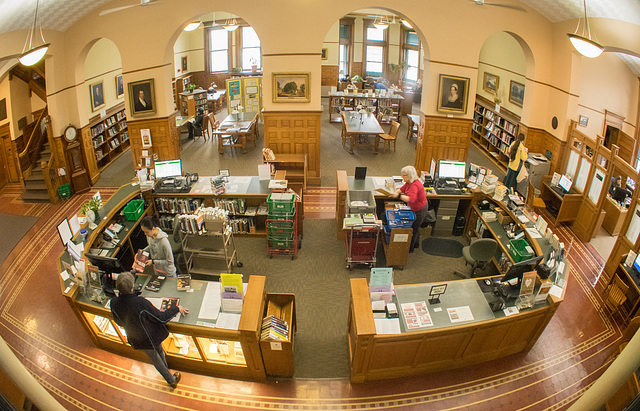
636 263
105 264
451 169
169 168
565 183
620 194
517 270
361 173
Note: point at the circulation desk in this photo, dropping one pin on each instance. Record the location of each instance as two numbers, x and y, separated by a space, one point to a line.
567 206
243 361
444 345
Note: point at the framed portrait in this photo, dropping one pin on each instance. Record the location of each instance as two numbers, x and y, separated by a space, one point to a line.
3 109
184 64
324 54
119 86
96 91
584 120
516 93
142 97
291 87
453 94
490 82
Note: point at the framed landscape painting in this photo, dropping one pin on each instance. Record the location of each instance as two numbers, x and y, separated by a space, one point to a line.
516 93
291 87
490 82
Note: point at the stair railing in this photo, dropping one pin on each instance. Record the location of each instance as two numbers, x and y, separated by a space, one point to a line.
29 155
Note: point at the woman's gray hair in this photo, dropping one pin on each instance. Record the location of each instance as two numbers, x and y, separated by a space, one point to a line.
411 172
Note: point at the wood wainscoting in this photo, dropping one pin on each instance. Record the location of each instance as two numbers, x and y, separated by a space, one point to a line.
329 75
164 138
539 141
442 138
295 132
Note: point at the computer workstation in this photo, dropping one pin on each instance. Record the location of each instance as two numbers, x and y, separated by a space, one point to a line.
168 175
561 198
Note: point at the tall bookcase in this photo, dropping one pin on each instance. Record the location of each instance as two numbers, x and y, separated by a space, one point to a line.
190 102
104 139
493 130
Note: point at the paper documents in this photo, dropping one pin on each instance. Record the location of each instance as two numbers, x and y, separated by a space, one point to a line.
387 325
416 315
460 314
533 232
229 321
210 308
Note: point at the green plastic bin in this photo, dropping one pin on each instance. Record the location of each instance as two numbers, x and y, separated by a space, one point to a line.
64 191
520 250
133 210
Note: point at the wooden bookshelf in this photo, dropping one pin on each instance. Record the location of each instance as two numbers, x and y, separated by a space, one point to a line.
295 167
105 139
494 131
278 354
389 107
191 102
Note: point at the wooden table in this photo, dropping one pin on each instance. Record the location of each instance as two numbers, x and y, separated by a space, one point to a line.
357 124
615 216
238 126
215 100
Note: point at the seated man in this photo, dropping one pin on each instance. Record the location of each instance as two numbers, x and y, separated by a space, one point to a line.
379 86
195 125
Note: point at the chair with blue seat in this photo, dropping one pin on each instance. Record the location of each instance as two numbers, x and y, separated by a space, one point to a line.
478 254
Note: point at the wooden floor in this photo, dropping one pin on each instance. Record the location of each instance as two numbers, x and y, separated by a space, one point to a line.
39 326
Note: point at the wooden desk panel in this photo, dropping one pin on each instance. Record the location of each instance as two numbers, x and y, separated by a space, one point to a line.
567 205
615 216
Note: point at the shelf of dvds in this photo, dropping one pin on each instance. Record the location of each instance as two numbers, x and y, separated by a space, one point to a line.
494 130
105 139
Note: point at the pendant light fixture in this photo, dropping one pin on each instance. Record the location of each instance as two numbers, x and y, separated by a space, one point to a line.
192 26
231 24
407 24
380 24
583 43
33 54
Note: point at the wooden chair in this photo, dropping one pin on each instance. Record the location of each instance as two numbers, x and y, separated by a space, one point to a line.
412 130
223 139
389 138
615 294
206 124
253 134
536 203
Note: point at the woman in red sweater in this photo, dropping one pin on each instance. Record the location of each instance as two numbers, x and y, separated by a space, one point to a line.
412 193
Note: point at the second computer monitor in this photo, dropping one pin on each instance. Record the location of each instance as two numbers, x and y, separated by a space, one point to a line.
169 168
451 169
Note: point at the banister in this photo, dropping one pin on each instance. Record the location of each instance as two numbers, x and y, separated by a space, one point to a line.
26 147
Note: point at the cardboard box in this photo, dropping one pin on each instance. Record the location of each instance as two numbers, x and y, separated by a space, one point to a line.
504 218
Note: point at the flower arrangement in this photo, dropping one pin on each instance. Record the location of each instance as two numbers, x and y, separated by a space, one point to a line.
93 204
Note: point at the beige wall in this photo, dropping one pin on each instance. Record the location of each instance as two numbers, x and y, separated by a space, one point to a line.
295 46
102 64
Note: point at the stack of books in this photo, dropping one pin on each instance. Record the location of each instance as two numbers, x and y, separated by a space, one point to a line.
489 184
500 192
273 328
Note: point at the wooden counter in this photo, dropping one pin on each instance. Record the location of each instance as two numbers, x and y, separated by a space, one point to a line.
615 216
444 346
567 206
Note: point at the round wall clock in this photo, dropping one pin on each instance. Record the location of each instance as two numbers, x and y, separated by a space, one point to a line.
70 133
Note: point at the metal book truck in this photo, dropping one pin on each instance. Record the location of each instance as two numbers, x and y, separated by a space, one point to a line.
282 225
361 229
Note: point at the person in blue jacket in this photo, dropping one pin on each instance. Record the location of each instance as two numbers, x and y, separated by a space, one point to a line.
144 324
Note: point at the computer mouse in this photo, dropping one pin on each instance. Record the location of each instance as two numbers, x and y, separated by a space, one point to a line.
487 282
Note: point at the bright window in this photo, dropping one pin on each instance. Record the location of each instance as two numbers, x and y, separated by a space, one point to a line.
374 61
250 48
344 59
412 60
219 50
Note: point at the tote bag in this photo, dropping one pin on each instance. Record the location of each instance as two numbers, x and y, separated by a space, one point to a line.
523 174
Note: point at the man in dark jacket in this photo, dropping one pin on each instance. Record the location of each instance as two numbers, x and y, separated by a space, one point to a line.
144 324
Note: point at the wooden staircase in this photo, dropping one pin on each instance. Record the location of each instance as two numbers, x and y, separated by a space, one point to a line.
35 188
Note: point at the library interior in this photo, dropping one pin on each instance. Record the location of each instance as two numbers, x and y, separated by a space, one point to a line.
429 205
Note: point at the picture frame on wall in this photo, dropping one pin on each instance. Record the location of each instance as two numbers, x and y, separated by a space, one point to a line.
516 93
291 87
453 93
142 98
119 86
490 83
145 133
184 63
323 56
584 120
96 92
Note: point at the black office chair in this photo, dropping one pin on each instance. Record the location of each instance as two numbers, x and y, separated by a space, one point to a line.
176 243
478 254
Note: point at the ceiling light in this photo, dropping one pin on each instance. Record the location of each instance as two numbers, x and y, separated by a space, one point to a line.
231 24
380 24
407 24
192 26
584 44
33 54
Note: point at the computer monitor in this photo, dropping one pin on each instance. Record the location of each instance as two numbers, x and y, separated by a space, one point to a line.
451 169
620 194
169 168
636 263
516 271
565 183
107 266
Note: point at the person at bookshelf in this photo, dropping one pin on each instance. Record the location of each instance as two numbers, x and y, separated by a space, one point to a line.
144 324
518 154
195 125
159 248
453 100
412 193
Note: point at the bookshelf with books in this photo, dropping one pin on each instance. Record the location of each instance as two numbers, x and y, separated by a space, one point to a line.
191 102
278 334
104 140
389 106
168 207
294 165
494 130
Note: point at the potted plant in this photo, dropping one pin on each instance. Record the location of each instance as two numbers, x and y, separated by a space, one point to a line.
498 99
191 87
254 65
93 204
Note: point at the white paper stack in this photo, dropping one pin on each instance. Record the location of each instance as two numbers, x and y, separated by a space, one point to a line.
489 216
500 192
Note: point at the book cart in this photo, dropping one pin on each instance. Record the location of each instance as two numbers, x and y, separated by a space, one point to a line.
361 238
277 336
281 225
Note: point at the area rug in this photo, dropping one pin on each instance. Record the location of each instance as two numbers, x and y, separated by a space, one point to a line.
442 247
18 226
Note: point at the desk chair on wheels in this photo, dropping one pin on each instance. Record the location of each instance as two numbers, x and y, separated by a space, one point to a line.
176 244
478 254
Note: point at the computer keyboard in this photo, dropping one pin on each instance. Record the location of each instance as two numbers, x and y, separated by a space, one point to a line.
558 190
448 190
